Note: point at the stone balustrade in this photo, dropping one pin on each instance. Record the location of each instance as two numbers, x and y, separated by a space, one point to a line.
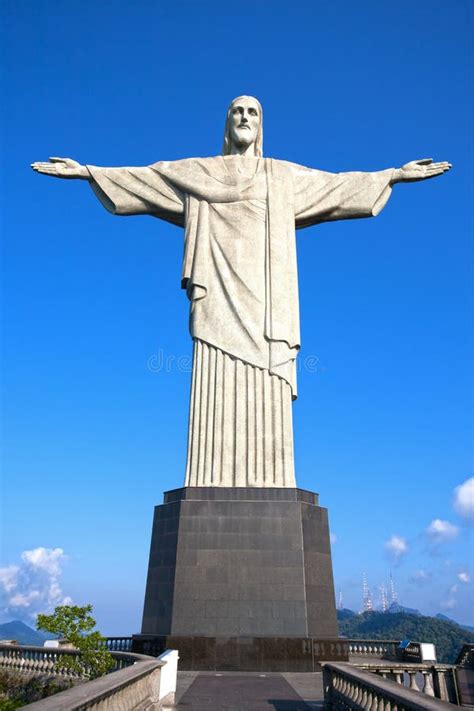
136 687
433 679
381 687
37 660
136 681
118 644
381 649
43 660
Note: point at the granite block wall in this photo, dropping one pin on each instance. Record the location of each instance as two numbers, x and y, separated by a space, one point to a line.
240 562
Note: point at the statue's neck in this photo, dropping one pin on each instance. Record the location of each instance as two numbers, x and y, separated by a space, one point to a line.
244 151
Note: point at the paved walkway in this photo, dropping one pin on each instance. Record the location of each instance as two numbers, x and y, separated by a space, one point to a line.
243 691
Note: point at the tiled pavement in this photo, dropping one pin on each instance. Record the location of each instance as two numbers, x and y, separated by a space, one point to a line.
244 691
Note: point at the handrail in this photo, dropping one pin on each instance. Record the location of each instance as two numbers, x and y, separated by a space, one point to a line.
127 688
118 644
137 680
32 659
436 679
346 687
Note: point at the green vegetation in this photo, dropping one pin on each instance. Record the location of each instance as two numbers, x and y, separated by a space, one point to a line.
75 624
18 690
447 636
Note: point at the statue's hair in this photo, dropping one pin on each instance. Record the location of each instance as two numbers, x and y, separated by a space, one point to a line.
258 145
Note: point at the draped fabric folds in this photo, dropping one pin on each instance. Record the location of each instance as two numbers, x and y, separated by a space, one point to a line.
240 424
240 274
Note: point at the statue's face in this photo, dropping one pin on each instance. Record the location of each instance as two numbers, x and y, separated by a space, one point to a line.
244 121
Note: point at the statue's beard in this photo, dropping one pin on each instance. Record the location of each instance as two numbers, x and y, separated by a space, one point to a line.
243 137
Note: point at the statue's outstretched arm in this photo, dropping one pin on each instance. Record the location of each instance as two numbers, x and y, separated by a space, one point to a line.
62 168
419 170
323 197
124 191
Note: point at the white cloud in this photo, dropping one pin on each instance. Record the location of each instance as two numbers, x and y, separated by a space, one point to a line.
448 604
464 577
396 546
47 559
464 498
440 531
21 600
32 586
420 577
333 538
8 577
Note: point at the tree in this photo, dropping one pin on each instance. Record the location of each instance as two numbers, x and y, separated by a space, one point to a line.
75 624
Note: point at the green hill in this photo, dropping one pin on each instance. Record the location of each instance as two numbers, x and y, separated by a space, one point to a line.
447 636
23 634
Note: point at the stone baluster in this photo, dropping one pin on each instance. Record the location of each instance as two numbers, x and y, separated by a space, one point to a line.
342 683
413 684
360 694
398 677
427 683
354 691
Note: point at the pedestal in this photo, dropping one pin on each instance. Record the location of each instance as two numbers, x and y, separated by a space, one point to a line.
232 565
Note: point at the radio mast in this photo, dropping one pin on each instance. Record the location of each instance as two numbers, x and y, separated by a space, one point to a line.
367 604
393 592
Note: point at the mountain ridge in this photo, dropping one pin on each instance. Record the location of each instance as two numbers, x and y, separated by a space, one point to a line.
16 629
446 635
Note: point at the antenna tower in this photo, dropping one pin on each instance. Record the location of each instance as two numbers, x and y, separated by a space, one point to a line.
340 604
367 605
393 592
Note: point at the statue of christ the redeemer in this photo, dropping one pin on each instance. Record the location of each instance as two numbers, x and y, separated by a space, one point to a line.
239 212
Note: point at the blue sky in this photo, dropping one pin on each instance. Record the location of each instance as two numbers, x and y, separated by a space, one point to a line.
93 429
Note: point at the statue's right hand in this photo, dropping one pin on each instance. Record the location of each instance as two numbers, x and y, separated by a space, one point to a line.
62 168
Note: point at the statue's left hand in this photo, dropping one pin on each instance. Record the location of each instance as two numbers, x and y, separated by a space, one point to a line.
420 170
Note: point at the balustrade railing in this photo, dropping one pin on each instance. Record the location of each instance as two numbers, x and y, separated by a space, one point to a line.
137 687
348 687
44 660
136 681
118 644
381 649
437 680
38 660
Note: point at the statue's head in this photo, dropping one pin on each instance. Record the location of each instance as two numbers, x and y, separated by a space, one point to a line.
244 125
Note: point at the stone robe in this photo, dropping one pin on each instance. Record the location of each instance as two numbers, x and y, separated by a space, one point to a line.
240 274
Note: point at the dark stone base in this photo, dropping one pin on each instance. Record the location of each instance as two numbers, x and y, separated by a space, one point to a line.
266 654
239 563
